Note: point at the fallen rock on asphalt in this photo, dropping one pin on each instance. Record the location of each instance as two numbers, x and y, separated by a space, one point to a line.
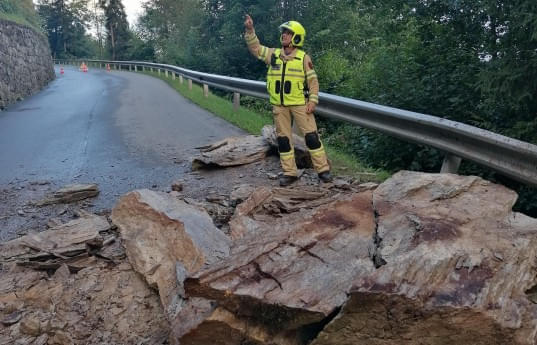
167 239
292 272
71 193
422 258
60 244
232 152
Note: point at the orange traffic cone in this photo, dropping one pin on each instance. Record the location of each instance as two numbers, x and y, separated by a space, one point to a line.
61 70
108 67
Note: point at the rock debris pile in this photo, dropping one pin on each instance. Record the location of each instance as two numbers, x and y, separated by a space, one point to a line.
420 259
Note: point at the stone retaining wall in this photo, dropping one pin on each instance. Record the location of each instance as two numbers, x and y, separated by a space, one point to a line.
25 62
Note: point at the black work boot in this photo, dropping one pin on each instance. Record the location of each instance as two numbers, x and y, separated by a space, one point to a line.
286 180
325 176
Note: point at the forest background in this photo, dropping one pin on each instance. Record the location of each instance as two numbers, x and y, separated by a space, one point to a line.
472 61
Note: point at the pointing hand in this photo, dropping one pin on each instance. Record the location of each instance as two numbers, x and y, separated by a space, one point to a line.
248 22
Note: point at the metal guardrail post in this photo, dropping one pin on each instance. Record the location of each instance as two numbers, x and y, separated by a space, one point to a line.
181 79
206 90
166 73
451 164
190 84
236 101
173 75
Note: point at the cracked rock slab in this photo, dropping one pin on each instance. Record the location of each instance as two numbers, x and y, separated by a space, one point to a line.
61 241
459 268
293 272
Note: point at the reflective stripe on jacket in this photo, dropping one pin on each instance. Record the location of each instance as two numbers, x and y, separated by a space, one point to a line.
286 79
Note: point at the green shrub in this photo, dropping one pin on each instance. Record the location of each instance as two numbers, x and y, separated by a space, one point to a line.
21 12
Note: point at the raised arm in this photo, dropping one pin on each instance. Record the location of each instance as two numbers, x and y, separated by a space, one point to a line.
259 51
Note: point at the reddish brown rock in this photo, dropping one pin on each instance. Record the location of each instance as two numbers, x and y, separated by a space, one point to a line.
290 273
266 203
162 235
457 268
166 239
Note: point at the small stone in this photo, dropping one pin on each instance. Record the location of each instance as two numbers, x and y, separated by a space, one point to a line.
30 325
12 318
61 337
177 186
175 194
215 198
40 183
367 186
41 340
21 213
54 222
342 184
272 176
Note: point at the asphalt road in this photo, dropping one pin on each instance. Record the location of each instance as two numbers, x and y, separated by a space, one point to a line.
121 130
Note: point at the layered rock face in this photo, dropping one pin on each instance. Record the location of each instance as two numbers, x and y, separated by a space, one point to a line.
422 259
456 266
25 62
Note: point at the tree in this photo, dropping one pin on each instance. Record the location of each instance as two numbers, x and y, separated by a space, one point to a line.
117 28
66 23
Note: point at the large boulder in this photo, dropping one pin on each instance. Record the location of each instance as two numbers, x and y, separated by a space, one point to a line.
424 259
167 239
286 275
457 266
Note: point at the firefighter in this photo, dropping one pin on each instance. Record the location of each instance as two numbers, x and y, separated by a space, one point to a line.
294 92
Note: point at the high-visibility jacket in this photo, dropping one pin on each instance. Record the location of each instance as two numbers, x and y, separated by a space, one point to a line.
286 79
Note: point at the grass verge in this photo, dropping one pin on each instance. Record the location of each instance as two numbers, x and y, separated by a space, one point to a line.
252 122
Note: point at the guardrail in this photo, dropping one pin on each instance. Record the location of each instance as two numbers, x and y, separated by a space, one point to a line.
508 156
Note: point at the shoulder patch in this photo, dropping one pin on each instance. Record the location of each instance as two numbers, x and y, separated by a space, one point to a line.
310 64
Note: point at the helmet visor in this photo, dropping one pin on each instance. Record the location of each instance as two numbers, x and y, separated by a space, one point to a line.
286 31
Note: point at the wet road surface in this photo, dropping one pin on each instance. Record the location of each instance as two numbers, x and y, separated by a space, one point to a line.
121 130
